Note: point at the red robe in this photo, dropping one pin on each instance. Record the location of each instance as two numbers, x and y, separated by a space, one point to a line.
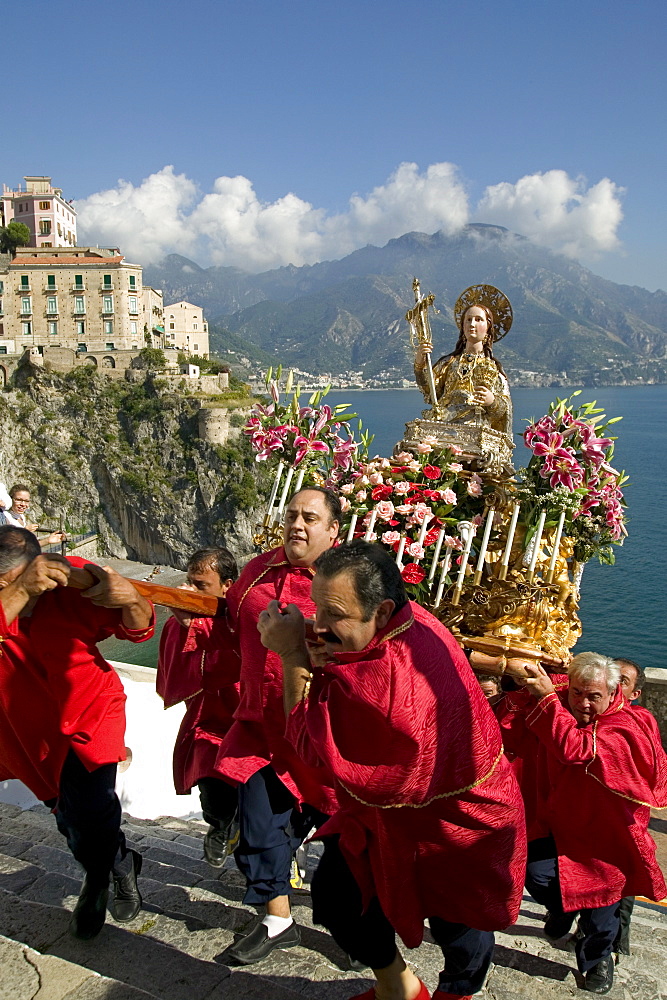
57 692
592 790
430 818
195 668
257 737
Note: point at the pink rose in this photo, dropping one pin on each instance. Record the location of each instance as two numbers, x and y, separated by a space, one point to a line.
474 489
403 457
402 487
414 466
385 510
405 508
347 488
391 537
449 496
360 496
453 543
345 505
421 513
454 466
376 479
455 450
415 550
423 448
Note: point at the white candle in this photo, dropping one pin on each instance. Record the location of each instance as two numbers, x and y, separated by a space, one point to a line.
483 547
371 525
401 549
350 530
505 561
424 529
283 495
299 481
276 484
554 554
443 573
436 555
535 542
467 532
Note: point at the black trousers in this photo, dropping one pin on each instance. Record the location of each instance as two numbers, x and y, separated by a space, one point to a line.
88 814
271 830
598 927
219 802
368 936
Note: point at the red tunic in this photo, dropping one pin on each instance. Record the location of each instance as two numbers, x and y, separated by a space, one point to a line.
592 791
257 737
57 691
430 818
194 667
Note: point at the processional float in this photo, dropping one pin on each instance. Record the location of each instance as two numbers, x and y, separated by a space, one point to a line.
496 554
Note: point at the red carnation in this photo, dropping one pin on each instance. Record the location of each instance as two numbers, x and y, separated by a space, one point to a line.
413 573
432 471
382 492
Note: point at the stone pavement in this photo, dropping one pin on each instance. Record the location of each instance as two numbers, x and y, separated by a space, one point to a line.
172 950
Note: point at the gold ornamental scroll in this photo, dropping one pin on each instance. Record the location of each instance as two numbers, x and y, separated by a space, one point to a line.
420 335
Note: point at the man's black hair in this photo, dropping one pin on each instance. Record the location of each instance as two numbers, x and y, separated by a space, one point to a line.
17 546
218 558
330 498
375 575
623 661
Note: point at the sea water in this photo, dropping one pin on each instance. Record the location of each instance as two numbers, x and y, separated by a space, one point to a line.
623 607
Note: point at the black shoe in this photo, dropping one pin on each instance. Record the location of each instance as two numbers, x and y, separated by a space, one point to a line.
600 978
557 925
257 944
126 901
90 911
219 844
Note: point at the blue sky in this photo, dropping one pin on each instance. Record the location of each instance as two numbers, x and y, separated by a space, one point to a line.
547 118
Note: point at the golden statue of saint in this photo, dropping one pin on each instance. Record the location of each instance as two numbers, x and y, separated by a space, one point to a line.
470 384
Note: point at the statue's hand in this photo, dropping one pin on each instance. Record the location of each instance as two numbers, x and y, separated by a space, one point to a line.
421 354
483 397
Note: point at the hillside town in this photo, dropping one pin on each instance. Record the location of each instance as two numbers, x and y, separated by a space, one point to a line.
70 305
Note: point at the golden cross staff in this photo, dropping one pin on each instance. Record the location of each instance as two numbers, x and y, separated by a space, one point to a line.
420 333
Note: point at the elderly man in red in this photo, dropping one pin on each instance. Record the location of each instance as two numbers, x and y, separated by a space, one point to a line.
430 824
193 667
280 797
62 710
598 770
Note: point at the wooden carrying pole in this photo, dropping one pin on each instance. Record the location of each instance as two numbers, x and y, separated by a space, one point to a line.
167 597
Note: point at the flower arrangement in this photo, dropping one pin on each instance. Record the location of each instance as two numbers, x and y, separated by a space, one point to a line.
313 438
426 507
570 470
414 505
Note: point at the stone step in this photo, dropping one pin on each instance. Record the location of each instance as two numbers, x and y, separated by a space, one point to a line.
28 974
192 912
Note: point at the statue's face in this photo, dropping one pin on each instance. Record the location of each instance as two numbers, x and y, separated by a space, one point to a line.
475 327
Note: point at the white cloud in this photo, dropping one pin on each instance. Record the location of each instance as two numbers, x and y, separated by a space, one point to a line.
230 225
557 211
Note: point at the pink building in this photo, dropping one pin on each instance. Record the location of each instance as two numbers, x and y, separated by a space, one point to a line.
42 208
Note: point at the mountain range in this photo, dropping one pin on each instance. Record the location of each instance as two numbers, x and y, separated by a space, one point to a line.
348 315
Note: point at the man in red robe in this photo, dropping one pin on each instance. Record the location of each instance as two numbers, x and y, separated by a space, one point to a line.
598 769
194 668
280 797
430 820
62 710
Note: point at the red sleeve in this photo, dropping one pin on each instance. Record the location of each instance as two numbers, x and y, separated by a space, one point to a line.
557 729
179 673
511 712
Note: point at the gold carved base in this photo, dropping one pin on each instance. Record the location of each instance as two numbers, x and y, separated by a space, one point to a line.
491 448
